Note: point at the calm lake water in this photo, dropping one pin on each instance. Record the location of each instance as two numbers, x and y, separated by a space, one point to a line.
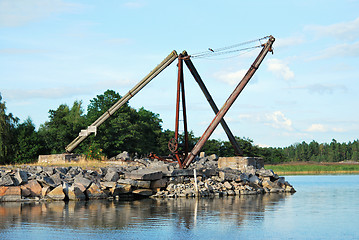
324 207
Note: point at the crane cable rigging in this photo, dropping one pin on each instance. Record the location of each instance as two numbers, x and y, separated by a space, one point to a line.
229 49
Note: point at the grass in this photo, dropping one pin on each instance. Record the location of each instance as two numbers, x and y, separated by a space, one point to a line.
313 168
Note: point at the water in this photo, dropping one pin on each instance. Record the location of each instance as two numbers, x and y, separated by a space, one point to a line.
324 207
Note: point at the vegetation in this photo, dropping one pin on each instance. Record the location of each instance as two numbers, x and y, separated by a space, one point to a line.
138 132
314 168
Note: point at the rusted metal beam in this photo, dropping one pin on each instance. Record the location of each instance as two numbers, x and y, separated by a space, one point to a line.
267 47
213 105
92 128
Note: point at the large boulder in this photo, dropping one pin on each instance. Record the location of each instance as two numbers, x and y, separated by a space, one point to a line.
94 192
34 187
57 193
75 193
20 177
6 180
144 174
83 181
10 193
111 176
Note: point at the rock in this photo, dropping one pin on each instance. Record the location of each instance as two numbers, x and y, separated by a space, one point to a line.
56 194
61 170
83 181
111 176
25 192
212 157
123 156
108 184
80 186
181 172
269 184
202 155
20 177
10 193
144 174
45 190
46 181
94 192
143 192
57 178
228 185
48 170
6 180
229 174
281 182
160 183
75 193
265 172
143 184
34 188
121 189
254 179
127 182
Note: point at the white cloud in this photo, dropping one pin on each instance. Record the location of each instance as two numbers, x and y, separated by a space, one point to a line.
280 68
316 127
231 78
340 50
278 120
344 30
20 12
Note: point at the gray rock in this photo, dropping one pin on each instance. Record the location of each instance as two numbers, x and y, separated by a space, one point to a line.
123 156
6 180
111 176
46 181
57 178
254 179
265 172
84 181
144 174
20 177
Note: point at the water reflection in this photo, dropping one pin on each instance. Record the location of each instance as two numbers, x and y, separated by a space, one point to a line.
177 213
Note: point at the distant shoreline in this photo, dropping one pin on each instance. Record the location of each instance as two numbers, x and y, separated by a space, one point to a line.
310 168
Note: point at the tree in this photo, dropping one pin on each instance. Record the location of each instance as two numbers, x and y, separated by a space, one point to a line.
8 125
63 126
29 145
126 130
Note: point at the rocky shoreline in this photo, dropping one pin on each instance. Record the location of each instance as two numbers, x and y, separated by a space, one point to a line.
207 177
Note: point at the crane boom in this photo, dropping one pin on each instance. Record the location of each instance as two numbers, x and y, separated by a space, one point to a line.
93 127
267 47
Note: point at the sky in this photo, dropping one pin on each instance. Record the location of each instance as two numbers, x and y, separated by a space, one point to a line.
60 51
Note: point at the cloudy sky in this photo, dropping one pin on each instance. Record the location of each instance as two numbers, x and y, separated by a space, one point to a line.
55 52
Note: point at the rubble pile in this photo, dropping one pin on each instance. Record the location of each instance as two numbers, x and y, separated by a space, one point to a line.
139 178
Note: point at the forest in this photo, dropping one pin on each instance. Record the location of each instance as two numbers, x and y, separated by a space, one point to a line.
138 132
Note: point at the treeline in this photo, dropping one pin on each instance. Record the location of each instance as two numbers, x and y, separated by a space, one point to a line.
136 131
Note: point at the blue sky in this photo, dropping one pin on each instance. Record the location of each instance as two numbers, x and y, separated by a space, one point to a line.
55 52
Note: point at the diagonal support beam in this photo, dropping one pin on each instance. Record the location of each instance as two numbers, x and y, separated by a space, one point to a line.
267 47
213 105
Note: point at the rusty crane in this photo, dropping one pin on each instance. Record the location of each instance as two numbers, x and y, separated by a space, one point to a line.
184 159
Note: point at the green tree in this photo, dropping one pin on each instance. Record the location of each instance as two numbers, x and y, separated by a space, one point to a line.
8 124
63 126
126 130
29 146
